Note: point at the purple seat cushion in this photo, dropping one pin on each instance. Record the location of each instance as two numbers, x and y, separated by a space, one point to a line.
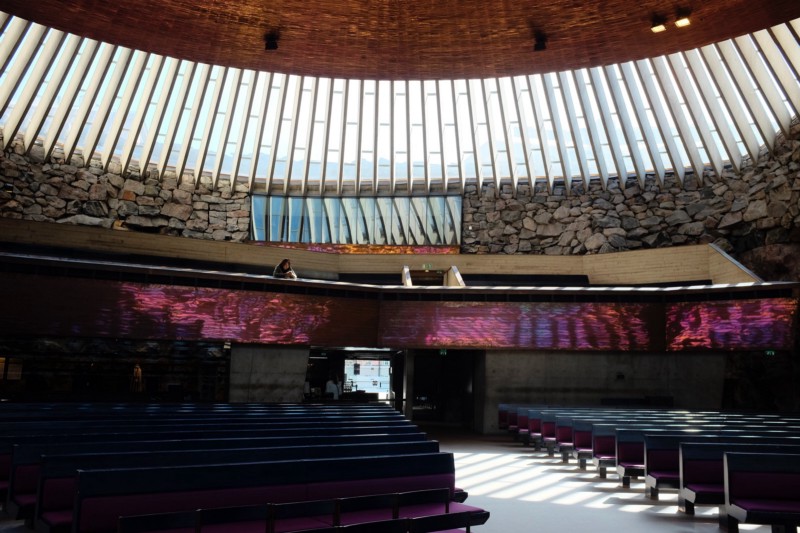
772 506
664 475
58 518
706 488
24 500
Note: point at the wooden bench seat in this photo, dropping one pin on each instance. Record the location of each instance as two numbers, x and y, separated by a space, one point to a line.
702 471
51 479
663 461
762 489
104 495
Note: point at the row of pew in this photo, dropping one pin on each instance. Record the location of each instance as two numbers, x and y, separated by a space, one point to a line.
103 468
746 464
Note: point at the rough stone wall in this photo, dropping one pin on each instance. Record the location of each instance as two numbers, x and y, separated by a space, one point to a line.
58 192
753 213
739 211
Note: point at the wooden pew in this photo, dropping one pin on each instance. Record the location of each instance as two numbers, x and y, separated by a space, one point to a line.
762 489
702 468
104 495
662 453
54 484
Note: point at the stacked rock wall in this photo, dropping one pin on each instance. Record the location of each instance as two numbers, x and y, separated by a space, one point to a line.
739 211
58 192
755 208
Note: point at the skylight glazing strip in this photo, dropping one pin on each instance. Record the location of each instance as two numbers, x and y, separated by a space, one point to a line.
165 93
23 58
628 126
673 98
751 52
775 65
498 129
54 85
92 137
207 121
118 109
251 78
516 88
224 129
143 107
745 83
596 134
728 146
560 125
664 120
696 112
788 42
190 116
469 161
34 82
574 114
605 107
648 137
732 98
559 137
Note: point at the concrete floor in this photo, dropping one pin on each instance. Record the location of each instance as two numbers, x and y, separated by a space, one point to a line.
528 491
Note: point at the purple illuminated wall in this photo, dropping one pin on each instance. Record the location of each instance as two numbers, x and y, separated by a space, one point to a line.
537 326
731 325
59 307
45 306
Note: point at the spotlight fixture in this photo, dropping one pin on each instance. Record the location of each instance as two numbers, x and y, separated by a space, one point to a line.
682 18
540 41
659 24
271 40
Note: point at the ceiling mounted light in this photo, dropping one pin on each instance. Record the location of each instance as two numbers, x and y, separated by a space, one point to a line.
659 24
540 41
682 18
271 40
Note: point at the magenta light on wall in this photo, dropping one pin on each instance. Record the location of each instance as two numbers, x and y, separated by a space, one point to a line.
731 324
94 308
537 326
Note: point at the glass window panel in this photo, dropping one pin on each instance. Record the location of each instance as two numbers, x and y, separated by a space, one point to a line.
383 221
400 232
258 217
333 214
278 218
418 220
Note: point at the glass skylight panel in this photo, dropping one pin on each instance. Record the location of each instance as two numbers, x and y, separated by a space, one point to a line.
284 133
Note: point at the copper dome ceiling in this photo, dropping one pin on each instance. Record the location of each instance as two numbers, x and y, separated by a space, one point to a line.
405 39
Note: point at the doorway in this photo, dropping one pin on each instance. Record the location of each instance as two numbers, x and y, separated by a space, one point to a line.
444 386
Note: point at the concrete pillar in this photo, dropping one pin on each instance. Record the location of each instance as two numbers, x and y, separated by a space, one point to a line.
408 385
267 373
